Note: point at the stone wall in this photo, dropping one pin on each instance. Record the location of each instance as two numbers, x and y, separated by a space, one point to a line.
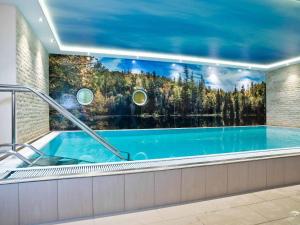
32 62
283 96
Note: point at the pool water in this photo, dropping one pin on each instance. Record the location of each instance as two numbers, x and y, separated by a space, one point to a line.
170 143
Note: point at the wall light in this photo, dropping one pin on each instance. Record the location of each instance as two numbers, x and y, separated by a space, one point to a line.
41 19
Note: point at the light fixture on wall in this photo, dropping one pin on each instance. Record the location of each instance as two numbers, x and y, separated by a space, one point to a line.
41 19
139 97
85 96
52 40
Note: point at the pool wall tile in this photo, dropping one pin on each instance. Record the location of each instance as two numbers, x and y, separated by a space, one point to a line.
275 172
292 170
42 199
257 175
108 194
237 177
75 198
9 213
167 187
139 190
193 184
216 181
49 201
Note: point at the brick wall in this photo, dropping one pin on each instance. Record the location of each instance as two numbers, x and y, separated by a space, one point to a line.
283 96
33 70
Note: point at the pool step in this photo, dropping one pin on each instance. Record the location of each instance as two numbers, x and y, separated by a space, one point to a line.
56 161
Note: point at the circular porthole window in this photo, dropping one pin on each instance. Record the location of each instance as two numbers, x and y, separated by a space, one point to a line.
85 96
139 97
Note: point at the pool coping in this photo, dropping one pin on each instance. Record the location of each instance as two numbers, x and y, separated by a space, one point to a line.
114 168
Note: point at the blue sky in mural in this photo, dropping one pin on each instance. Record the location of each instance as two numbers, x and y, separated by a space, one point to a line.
259 31
215 77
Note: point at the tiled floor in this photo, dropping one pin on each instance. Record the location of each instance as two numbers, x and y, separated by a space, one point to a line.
279 206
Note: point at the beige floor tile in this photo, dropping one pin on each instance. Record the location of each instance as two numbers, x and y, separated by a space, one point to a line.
277 209
295 220
233 216
271 194
241 200
296 197
148 217
277 222
176 212
210 206
123 219
225 203
290 190
285 221
190 220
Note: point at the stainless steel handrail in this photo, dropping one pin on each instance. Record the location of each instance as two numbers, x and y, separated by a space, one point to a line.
64 112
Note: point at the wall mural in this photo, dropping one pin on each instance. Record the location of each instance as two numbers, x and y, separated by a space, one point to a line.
112 93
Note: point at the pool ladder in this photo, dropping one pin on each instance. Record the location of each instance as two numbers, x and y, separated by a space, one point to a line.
51 102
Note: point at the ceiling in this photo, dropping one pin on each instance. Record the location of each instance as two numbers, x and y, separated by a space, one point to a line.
249 32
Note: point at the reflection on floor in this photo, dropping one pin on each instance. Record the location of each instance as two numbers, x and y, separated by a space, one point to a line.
279 206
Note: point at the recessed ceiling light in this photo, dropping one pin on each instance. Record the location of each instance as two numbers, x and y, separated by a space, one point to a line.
41 19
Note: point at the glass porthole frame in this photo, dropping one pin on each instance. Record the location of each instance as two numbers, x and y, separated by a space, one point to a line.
140 93
87 99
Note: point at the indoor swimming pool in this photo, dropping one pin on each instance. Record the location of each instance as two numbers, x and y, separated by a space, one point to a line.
156 144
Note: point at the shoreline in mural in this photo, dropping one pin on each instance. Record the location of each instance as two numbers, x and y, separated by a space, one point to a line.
178 95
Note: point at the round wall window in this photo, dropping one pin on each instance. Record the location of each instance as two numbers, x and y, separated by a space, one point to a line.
85 96
139 97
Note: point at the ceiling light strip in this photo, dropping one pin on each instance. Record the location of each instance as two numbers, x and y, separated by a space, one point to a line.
161 56
284 63
50 22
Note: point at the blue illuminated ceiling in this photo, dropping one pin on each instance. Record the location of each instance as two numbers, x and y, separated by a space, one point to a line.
257 31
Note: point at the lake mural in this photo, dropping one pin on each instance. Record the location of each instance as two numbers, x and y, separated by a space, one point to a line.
99 92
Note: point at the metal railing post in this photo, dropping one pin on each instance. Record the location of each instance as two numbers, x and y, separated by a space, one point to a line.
13 120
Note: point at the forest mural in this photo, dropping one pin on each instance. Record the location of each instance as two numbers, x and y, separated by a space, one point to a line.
179 95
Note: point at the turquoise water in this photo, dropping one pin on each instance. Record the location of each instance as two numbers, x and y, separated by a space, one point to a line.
169 143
